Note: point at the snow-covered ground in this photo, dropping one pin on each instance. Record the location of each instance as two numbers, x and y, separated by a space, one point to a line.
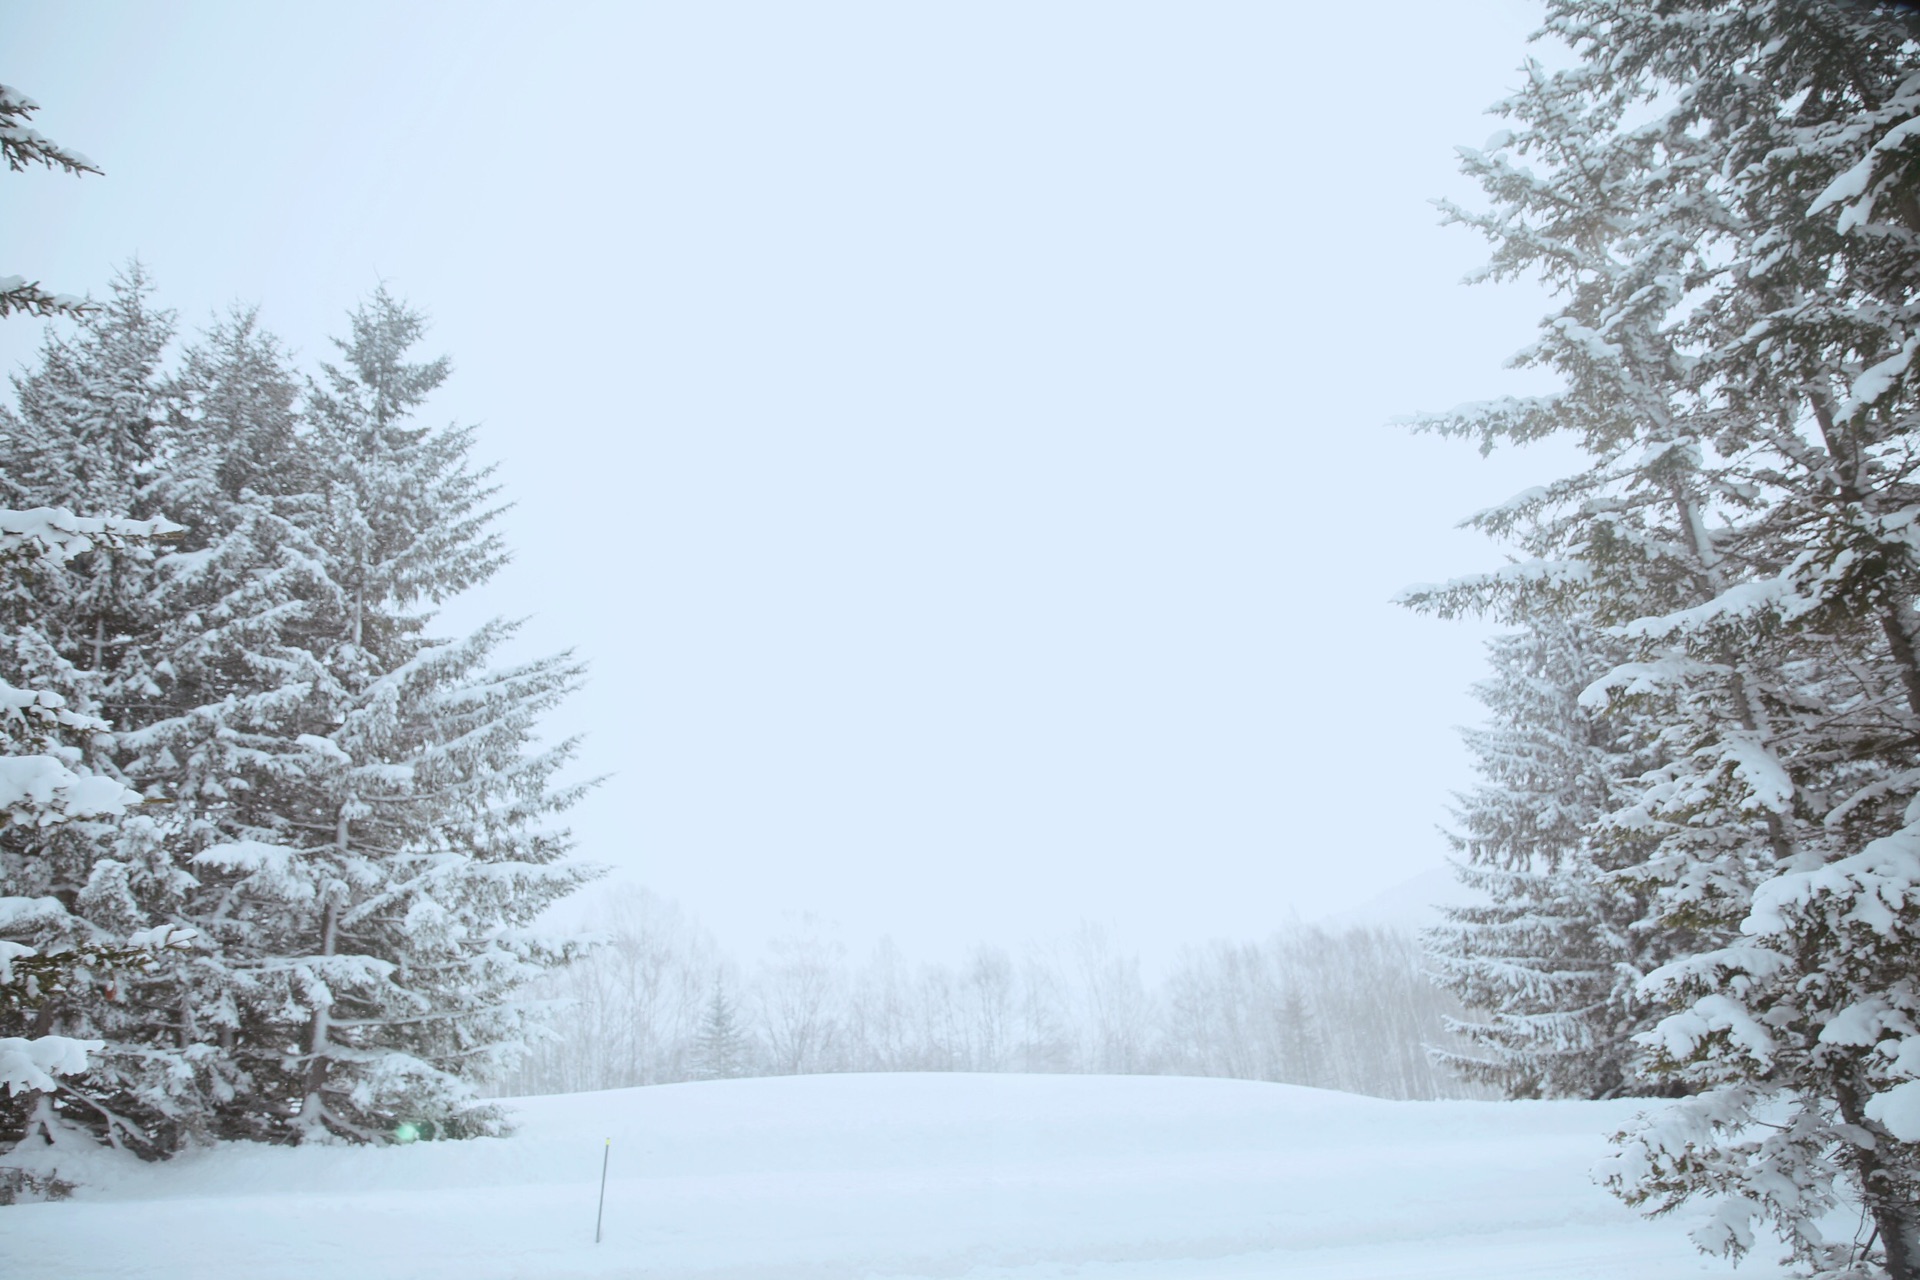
1001 1177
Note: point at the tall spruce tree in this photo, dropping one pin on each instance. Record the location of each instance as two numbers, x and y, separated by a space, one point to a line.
376 877
87 436
232 604
57 812
350 815
1722 196
1551 955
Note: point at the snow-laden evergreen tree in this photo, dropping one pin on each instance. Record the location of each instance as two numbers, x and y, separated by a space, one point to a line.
57 812
1551 956
1722 195
349 814
233 668
370 876
23 147
86 436
721 1050
51 954
1298 1039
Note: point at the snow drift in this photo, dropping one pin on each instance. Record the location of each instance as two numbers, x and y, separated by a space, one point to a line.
1128 1178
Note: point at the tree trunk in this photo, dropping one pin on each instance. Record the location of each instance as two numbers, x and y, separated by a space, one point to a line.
1886 1188
313 1105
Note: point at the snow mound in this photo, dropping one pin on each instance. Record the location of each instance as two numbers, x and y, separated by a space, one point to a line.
1001 1177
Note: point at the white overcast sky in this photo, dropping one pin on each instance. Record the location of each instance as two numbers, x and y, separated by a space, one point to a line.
958 435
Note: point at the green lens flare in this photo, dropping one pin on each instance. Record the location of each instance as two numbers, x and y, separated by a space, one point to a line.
405 1133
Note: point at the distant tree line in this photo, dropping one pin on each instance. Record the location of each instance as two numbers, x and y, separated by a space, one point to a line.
658 1001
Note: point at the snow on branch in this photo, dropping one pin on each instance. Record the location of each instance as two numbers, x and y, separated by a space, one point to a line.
1638 679
26 1065
1877 889
1481 592
17 293
56 534
24 146
40 791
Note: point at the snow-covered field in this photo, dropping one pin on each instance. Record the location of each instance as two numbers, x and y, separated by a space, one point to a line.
1001 1177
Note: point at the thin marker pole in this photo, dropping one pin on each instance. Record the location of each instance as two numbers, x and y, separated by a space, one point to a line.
601 1216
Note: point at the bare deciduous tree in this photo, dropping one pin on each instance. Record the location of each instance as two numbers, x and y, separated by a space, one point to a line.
1346 1009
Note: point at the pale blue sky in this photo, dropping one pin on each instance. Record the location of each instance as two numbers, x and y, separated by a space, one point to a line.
958 435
